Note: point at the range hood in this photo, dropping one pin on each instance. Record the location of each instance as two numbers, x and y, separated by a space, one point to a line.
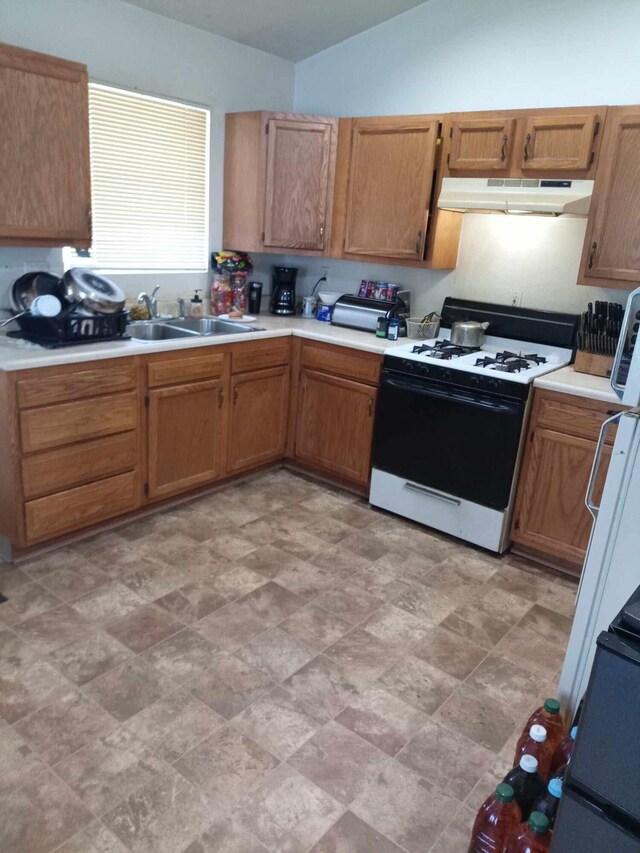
516 195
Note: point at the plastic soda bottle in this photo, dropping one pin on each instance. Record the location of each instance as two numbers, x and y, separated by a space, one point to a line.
564 750
496 821
536 744
548 804
528 785
532 837
550 717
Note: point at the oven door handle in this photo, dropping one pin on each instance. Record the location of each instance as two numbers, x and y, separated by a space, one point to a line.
454 396
414 487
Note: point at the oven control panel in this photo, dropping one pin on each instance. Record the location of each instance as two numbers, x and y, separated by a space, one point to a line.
488 384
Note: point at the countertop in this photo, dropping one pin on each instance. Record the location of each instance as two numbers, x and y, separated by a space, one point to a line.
16 354
568 381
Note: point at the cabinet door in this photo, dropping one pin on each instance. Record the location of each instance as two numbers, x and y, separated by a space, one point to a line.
44 115
335 425
480 145
258 420
612 249
297 183
551 517
556 143
186 436
390 177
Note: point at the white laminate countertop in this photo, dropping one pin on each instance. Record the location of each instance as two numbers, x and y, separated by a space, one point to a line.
568 381
16 354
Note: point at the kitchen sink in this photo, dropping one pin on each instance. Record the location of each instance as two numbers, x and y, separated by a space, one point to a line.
152 331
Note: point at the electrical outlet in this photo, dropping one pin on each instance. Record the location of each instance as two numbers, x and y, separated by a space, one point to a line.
515 297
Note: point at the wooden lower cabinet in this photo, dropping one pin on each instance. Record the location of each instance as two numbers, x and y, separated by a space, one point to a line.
258 418
550 519
185 435
334 426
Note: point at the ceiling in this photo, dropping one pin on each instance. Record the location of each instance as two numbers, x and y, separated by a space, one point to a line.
292 29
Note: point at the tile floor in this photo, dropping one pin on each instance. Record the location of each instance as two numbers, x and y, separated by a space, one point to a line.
273 667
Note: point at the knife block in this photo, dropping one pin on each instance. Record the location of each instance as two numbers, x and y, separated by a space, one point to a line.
593 363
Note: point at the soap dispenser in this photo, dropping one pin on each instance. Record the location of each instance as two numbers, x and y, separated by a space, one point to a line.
197 305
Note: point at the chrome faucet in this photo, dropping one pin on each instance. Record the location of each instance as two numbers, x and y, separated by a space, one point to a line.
181 308
150 302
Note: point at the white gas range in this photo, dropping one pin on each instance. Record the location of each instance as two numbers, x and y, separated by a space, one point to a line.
450 421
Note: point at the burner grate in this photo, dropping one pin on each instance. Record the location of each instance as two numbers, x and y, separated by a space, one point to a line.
510 362
443 350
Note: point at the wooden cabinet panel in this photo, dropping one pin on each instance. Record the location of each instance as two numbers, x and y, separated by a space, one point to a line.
611 254
390 179
45 198
257 355
352 364
62 468
185 436
258 419
181 369
551 517
482 145
574 415
57 385
558 142
53 426
297 183
76 508
335 425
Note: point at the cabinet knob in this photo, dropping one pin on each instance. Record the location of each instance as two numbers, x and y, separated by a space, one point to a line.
526 147
592 255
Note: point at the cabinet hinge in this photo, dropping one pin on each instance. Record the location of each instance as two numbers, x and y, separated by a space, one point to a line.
596 129
262 235
146 489
266 127
516 526
147 402
592 158
448 159
451 133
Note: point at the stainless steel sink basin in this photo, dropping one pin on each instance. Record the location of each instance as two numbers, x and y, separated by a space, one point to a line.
152 332
210 326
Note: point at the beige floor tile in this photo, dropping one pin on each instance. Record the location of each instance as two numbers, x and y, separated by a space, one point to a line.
236 581
340 562
382 719
315 627
191 602
28 600
27 686
363 655
426 603
95 838
53 561
380 582
449 652
180 657
419 684
231 627
270 561
107 603
323 686
502 680
226 766
457 835
74 582
306 580
483 719
526 648
143 627
301 544
230 685
352 835
17 759
229 835
276 654
365 544
127 689
395 626
55 628
350 603
477 625
89 657
272 602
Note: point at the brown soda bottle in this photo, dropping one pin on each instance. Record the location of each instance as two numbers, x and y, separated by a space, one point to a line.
550 717
536 744
548 804
527 783
532 837
496 821
564 750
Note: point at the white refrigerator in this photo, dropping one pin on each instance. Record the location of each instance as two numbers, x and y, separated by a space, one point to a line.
612 565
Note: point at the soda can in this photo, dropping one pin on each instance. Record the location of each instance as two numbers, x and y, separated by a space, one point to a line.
363 287
371 289
392 291
381 290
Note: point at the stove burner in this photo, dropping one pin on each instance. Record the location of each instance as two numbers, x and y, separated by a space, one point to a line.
510 362
443 350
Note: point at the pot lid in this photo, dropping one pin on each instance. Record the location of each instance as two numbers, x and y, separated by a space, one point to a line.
96 291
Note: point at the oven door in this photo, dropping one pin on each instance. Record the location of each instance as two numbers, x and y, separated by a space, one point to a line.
451 439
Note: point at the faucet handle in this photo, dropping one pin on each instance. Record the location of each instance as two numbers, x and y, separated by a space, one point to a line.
155 290
141 297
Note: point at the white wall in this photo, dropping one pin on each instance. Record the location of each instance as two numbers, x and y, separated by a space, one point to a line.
449 55
127 46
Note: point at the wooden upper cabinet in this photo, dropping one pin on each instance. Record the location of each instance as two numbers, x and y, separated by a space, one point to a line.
558 142
611 254
390 178
278 181
297 183
480 145
45 197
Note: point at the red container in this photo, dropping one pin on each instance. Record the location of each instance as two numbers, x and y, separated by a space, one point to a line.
550 717
536 744
564 750
532 837
496 821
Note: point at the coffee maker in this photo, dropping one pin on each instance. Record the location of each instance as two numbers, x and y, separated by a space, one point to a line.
283 290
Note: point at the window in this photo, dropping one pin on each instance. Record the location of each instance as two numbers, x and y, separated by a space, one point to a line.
149 183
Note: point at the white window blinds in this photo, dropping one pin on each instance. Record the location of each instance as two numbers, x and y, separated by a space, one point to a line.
149 182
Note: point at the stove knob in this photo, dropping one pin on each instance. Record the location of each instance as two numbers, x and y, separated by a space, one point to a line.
475 381
446 375
493 384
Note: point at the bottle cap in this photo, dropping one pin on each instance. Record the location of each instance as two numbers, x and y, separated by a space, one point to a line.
552 706
538 822
505 793
529 763
573 732
538 733
555 787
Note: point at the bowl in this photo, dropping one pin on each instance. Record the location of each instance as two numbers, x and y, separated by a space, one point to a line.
329 297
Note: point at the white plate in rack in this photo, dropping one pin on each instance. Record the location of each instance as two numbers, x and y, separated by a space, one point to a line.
246 318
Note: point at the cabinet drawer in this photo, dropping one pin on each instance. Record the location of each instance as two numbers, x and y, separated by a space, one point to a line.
59 386
53 426
574 415
65 467
76 508
342 361
260 354
179 370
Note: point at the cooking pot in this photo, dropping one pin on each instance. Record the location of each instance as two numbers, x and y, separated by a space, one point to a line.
468 333
93 292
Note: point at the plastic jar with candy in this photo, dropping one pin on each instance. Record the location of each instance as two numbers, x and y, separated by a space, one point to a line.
221 294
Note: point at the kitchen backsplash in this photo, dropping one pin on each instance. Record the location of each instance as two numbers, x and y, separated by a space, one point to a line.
531 259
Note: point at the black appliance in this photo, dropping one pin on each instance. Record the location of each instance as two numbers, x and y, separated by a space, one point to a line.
283 290
600 807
